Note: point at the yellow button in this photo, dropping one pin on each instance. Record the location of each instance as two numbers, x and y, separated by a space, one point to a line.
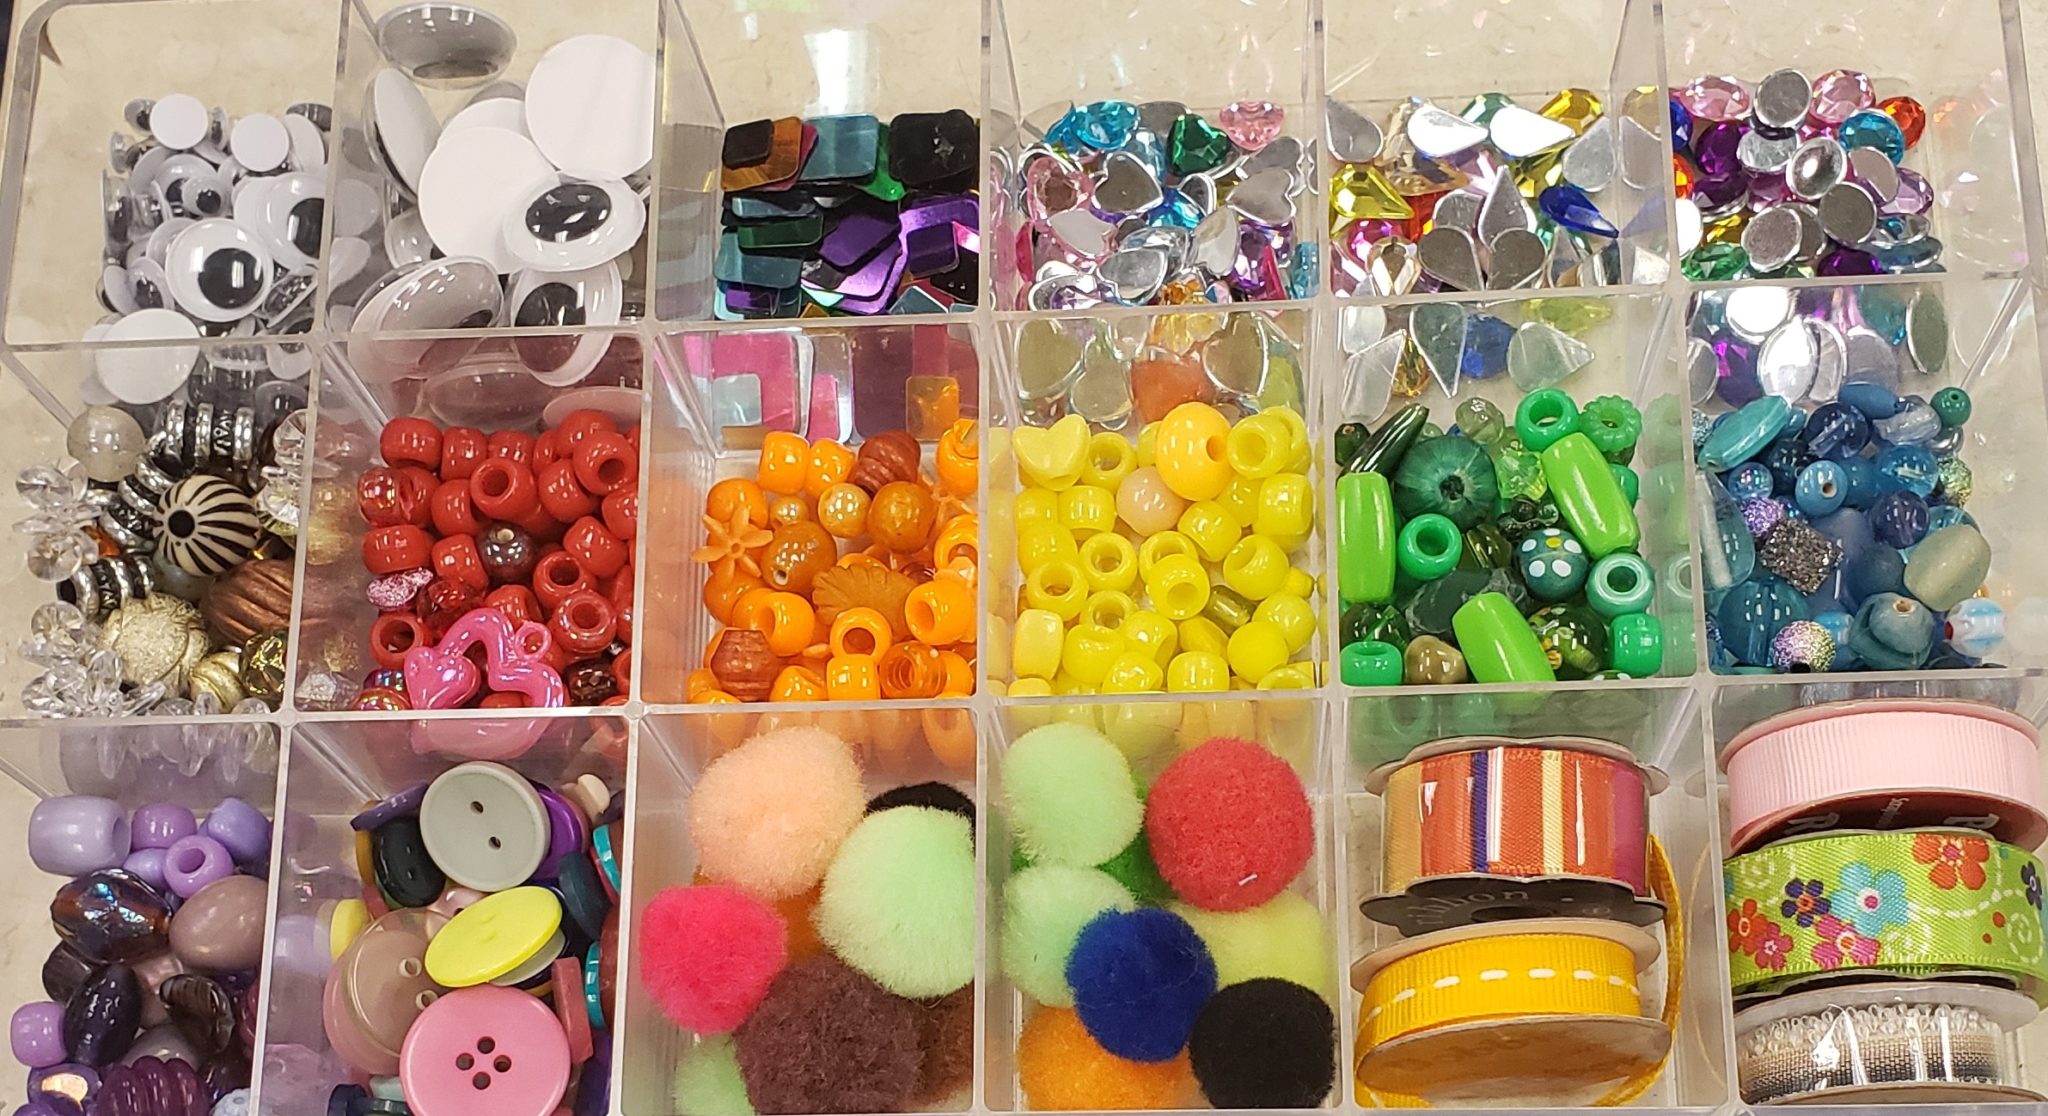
345 924
496 935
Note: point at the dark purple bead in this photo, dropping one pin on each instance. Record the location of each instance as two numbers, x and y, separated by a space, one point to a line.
101 1021
202 1010
1714 148
1836 432
111 915
509 554
65 971
1714 195
1899 519
67 1090
250 1004
1849 261
152 1087
225 1074
1735 381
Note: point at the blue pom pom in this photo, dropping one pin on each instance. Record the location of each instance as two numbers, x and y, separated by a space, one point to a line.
1140 980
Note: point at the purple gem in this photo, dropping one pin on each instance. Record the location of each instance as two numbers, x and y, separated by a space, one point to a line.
1735 380
1715 195
1714 148
1767 190
1914 196
1849 261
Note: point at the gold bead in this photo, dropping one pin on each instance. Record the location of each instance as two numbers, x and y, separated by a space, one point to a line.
219 674
263 667
158 639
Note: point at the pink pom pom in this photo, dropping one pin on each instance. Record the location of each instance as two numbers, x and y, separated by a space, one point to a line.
708 954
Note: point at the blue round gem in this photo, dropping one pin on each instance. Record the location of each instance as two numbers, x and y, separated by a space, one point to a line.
1908 468
1822 487
1899 519
1836 432
1871 128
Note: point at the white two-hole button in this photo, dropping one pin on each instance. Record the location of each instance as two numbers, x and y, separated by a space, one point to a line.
485 826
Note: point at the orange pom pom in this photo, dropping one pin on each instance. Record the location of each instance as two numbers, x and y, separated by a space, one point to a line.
1063 1068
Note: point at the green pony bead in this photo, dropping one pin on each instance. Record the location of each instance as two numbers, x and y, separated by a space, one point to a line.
1370 662
1429 547
1631 485
1589 497
1614 425
1498 645
1637 644
1486 548
1621 583
1449 476
1366 529
1952 406
1544 416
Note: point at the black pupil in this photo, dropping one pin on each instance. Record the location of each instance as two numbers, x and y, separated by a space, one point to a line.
229 278
568 212
208 201
551 304
303 225
147 296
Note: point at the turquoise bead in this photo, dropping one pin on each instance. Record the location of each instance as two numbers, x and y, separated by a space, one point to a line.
1544 416
1638 644
1620 584
1947 566
1821 489
1871 128
1742 435
1891 632
1751 614
1552 564
1952 404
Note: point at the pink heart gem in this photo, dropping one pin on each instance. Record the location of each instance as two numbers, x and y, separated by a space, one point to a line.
1252 125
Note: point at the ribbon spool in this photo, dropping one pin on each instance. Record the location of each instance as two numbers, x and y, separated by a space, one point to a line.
1853 906
1892 1043
1536 1008
1485 830
1886 764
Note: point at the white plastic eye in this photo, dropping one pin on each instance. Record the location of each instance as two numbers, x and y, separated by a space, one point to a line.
575 225
541 300
288 218
203 195
148 287
308 142
181 171
260 143
403 128
160 238
406 242
218 271
179 121
446 45
114 292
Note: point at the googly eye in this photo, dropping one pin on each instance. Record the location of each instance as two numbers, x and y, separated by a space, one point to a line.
308 143
288 294
571 226
123 151
260 143
114 292
116 210
158 247
287 216
449 294
446 45
179 121
218 271
136 113
188 185
558 299
148 287
403 128
406 242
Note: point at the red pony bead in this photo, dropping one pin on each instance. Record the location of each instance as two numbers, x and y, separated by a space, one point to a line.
621 593
503 699
621 511
462 447
605 463
597 550
389 550
585 624
547 449
561 495
557 575
512 445
395 633
410 441
456 559
388 496
454 513
504 489
576 428
517 602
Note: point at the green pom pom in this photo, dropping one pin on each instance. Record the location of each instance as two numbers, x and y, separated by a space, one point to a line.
1069 796
708 1081
1134 869
1284 937
1044 909
898 901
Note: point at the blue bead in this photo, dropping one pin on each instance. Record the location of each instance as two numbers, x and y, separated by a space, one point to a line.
1065 132
1749 480
1947 515
1874 401
1752 613
1797 423
1975 627
1150 150
1836 432
1907 468
1786 458
1681 127
1569 206
1898 519
1486 347
1739 436
1175 208
1107 125
1892 632
1862 474
1871 128
1821 489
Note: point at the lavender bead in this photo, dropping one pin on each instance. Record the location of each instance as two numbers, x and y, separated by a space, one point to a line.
194 862
75 834
68 1089
147 865
160 825
244 831
152 1087
37 1034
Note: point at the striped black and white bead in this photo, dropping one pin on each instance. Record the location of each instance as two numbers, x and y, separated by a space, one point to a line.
208 525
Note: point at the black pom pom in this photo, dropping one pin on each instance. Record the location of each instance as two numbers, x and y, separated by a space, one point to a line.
1265 1043
938 796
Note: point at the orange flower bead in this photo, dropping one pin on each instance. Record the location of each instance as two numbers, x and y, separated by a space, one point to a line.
941 612
831 463
797 683
852 678
796 555
733 494
900 517
860 631
959 458
785 510
843 511
911 670
723 590
785 461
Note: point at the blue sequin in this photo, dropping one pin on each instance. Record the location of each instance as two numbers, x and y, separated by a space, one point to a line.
1871 128
1486 347
1107 125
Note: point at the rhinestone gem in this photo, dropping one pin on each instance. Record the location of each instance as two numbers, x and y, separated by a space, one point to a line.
1106 125
1766 154
1251 125
1458 209
1786 361
1437 133
1486 346
1353 137
1772 238
1839 94
1519 133
1518 257
1907 113
1818 166
1782 99
1875 172
1871 128
1577 108
1450 255
1263 198
1391 266
1847 214
1125 185
1714 97
1569 206
1438 329
1361 191
1504 209
1589 163
1543 356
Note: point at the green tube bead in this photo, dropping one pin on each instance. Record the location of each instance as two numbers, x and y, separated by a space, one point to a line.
1589 497
1638 644
1544 416
1370 663
1228 608
1620 583
1498 644
1383 449
1429 547
1366 529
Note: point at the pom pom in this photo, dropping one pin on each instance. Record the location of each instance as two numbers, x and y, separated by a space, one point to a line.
1063 1068
708 954
938 796
708 1081
769 814
1134 869
1069 796
1044 909
1140 978
898 902
827 1039
1284 937
1265 1044
1229 825
945 1041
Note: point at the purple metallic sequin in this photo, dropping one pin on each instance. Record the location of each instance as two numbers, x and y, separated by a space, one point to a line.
856 238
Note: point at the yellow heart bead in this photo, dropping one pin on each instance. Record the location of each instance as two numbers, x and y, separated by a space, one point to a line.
1052 456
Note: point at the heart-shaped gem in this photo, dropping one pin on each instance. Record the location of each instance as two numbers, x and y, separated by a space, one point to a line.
1052 456
440 679
1047 357
1125 185
1251 125
1214 247
1369 377
1133 275
1263 199
1236 358
1081 231
1195 145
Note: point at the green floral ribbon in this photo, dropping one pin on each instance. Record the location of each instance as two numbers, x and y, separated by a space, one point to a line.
1910 903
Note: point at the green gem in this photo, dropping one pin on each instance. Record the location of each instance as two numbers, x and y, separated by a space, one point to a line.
1953 405
1574 638
1485 549
880 184
1710 263
1364 623
1195 145
1481 421
1572 316
1480 109
1519 472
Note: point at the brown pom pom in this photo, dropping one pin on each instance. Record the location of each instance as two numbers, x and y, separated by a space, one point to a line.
745 667
884 459
827 1039
255 596
945 1038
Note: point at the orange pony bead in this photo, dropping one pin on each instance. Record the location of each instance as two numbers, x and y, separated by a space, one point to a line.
831 463
852 678
723 590
731 495
860 631
900 516
790 623
959 538
843 511
959 458
949 733
785 461
959 675
941 612
911 670
750 611
797 683
699 682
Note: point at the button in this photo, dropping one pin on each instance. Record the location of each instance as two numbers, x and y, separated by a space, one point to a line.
485 826
604 850
568 831
485 1049
405 873
405 803
496 938
346 921
589 793
569 1008
378 988
593 986
583 895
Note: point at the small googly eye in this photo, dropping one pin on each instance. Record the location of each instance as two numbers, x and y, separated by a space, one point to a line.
218 271
117 211
572 225
136 113
123 152
543 299
171 180
308 143
205 195
260 143
287 215
114 292
148 287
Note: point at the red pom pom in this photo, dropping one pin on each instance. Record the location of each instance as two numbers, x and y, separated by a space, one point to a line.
708 954
1229 825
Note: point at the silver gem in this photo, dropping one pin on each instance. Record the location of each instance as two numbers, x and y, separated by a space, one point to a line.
1764 154
1284 153
1516 259
1354 138
1133 275
1782 99
1847 214
1819 165
1541 356
1263 198
1200 190
1369 377
1645 153
1503 210
1213 248
1159 116
1451 256
1359 326
1871 358
1753 312
1589 163
1458 209
1173 240
1702 369
1562 266
1691 226
1519 133
1439 329
1438 133
1831 360
1772 238
1126 185
1786 362
1813 240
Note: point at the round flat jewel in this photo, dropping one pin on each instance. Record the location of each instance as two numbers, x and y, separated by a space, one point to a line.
1818 166
1875 171
1871 128
1812 238
1927 333
1754 312
1691 228
1831 361
1847 214
1715 97
1702 369
1764 154
1782 99
1772 238
1839 94
1871 357
1787 361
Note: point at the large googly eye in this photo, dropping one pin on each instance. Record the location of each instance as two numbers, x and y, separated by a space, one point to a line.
179 121
403 128
288 217
114 292
455 294
260 143
474 179
158 247
560 299
571 226
308 143
449 46
219 271
406 242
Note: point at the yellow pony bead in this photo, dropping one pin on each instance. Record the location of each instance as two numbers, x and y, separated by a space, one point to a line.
1297 438
1066 685
1045 542
1300 583
1190 451
1257 648
1057 586
1141 728
1108 608
1259 445
1110 459
1200 633
1110 561
1133 672
1241 499
1037 505
1148 444
1165 544
1030 687
1178 586
1197 671
1035 644
1088 651
1210 528
1152 633
1294 616
1256 567
1293 676
1287 510
1086 509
